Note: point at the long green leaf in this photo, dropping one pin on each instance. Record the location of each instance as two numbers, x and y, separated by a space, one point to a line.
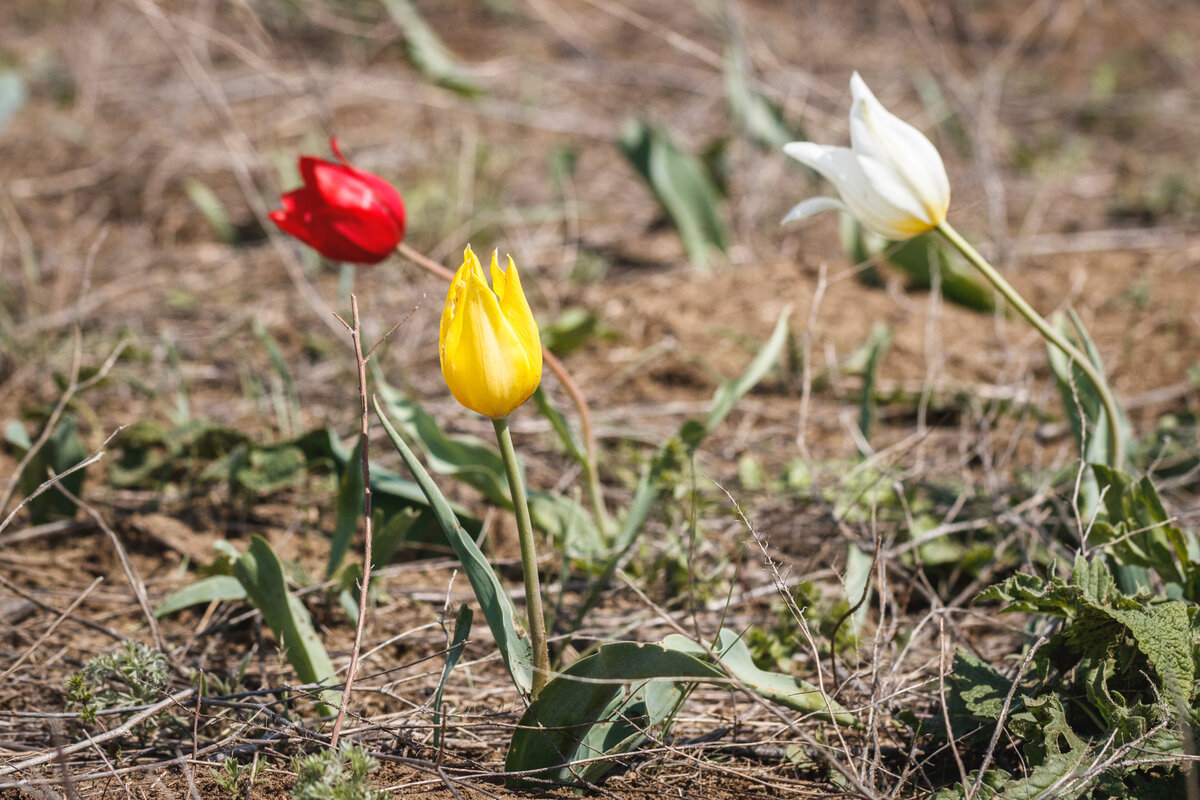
349 509
462 629
682 185
205 590
466 458
734 656
261 574
426 50
493 598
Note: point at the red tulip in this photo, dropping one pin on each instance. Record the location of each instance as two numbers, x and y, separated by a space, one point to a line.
343 213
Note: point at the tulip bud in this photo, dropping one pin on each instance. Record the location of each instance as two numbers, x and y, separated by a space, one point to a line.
489 344
891 177
343 213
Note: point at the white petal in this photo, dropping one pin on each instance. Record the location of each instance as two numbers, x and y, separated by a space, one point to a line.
878 134
813 205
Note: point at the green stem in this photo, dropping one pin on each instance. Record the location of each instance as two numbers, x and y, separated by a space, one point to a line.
1049 334
529 566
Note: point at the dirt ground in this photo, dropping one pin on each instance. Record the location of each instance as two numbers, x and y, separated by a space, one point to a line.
1071 133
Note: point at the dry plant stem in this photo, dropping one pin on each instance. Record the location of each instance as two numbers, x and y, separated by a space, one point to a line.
356 335
580 402
1049 334
107 736
529 565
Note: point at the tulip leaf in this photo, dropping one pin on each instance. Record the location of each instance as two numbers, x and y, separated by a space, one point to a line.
682 185
462 629
61 451
494 600
734 655
349 509
877 344
261 574
918 258
467 458
210 207
426 50
205 590
602 705
13 96
730 392
761 119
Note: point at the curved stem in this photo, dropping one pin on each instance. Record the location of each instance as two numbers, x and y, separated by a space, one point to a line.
580 402
1049 334
529 565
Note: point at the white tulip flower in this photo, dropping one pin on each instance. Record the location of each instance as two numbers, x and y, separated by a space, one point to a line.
891 177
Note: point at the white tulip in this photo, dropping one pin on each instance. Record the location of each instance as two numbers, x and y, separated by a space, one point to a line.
891 177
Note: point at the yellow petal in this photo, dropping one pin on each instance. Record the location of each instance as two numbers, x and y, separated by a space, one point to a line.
487 361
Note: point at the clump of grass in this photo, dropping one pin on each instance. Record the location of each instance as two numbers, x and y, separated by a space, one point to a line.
336 775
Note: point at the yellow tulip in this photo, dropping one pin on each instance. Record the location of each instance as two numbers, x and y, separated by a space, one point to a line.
489 344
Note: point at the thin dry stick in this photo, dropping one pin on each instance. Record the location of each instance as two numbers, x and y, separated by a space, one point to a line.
135 582
1012 690
107 736
49 631
580 402
356 335
55 479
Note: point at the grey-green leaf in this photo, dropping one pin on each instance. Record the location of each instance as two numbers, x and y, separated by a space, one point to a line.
682 185
260 572
494 600
601 705
205 590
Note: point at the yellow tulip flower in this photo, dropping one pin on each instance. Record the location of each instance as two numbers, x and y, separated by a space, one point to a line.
489 344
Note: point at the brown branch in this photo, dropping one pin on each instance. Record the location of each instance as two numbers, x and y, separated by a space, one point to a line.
364 431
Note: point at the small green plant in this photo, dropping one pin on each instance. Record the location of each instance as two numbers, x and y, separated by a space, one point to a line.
1107 704
234 778
132 676
336 775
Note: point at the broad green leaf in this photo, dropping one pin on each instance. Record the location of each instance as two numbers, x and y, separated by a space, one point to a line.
920 256
262 470
494 600
349 509
734 655
426 50
462 629
16 435
856 582
205 590
1139 528
682 185
568 525
601 706
261 574
918 259
61 451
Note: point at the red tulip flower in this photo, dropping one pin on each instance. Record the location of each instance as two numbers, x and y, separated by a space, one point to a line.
343 213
